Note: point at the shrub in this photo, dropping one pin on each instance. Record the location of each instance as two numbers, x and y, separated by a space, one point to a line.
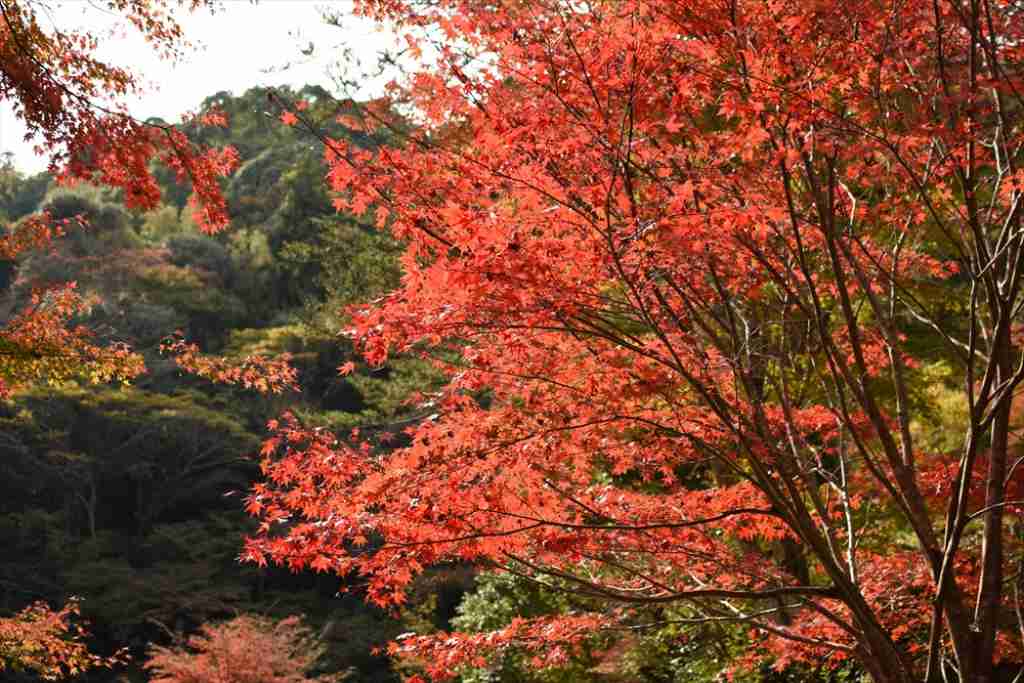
246 649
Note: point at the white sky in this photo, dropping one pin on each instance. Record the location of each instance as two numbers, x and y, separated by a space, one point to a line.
236 48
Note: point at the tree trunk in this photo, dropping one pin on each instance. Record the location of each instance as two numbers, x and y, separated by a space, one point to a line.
990 587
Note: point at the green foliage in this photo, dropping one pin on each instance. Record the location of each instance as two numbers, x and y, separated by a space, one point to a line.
202 252
179 571
166 222
941 409
676 652
211 310
357 261
20 195
499 598
667 645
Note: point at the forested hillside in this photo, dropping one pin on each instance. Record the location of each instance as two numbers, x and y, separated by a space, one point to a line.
130 496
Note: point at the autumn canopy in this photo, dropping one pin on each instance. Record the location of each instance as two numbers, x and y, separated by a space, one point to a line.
696 271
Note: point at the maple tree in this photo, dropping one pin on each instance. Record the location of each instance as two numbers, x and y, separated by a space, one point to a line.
694 259
246 649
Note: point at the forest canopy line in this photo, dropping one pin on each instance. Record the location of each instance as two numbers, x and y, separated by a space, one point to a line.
651 340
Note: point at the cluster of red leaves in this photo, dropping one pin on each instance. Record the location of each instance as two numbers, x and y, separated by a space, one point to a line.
246 649
37 231
68 99
47 643
40 345
260 373
550 641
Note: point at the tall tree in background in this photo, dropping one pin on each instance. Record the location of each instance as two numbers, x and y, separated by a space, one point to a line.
705 267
